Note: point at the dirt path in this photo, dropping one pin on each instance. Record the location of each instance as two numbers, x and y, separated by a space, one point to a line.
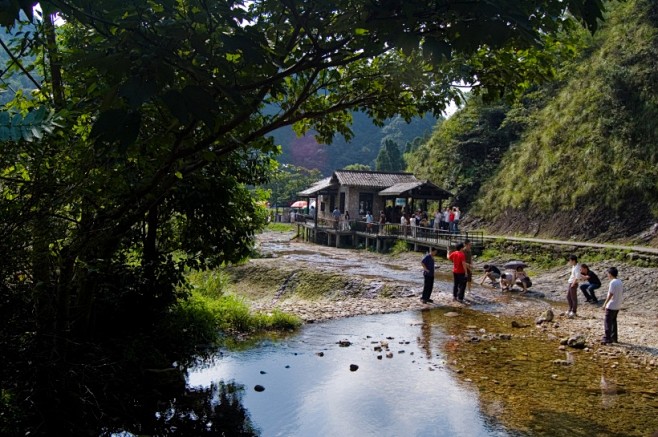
362 282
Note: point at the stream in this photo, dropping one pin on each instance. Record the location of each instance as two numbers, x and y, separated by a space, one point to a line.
443 371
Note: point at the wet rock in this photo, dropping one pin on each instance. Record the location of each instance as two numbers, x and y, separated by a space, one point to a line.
577 341
259 387
344 343
379 357
564 341
320 354
516 324
377 348
262 372
354 367
546 316
505 336
401 351
287 366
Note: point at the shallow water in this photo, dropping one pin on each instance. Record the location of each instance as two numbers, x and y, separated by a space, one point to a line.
412 393
448 376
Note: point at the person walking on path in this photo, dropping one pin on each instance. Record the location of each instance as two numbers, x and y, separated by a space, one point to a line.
459 271
592 282
611 306
572 288
428 275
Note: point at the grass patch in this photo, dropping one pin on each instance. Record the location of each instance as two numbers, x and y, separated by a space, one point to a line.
399 247
279 227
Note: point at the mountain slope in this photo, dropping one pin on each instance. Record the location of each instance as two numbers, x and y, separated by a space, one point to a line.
587 166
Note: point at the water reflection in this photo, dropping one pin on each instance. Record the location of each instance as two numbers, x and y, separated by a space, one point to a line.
305 394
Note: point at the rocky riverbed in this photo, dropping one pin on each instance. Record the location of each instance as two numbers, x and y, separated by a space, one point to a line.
318 283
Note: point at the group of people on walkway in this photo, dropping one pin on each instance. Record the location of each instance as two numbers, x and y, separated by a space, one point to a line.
447 220
580 276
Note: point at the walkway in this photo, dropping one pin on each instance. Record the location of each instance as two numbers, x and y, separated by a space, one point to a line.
639 249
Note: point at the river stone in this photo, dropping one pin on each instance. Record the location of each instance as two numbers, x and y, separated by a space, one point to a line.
451 314
259 387
577 341
546 316
320 354
354 367
344 343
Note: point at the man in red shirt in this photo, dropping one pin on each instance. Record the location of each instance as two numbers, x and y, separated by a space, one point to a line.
459 270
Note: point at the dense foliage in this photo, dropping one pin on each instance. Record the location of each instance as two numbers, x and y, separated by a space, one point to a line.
465 150
163 120
587 162
574 157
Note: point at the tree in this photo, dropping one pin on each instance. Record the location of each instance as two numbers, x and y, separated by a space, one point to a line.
287 181
389 157
163 130
358 167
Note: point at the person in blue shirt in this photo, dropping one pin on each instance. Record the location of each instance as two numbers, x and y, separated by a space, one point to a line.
428 275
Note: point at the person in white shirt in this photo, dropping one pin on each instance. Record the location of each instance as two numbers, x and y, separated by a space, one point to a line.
455 222
572 289
612 306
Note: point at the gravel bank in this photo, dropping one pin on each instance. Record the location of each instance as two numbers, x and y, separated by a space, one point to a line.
375 284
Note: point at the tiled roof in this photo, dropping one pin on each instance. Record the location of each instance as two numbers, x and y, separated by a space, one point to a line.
371 178
426 189
316 187
400 188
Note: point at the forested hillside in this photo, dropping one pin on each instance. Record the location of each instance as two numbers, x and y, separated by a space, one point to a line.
362 149
574 159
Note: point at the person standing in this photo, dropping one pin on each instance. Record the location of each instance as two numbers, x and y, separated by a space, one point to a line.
445 222
468 254
459 270
369 220
451 221
592 282
428 275
455 220
382 222
611 306
336 214
572 288
346 221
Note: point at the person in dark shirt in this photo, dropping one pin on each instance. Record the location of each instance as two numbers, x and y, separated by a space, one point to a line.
428 275
592 282
493 273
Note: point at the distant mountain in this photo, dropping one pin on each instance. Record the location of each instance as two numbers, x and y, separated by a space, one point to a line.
362 149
